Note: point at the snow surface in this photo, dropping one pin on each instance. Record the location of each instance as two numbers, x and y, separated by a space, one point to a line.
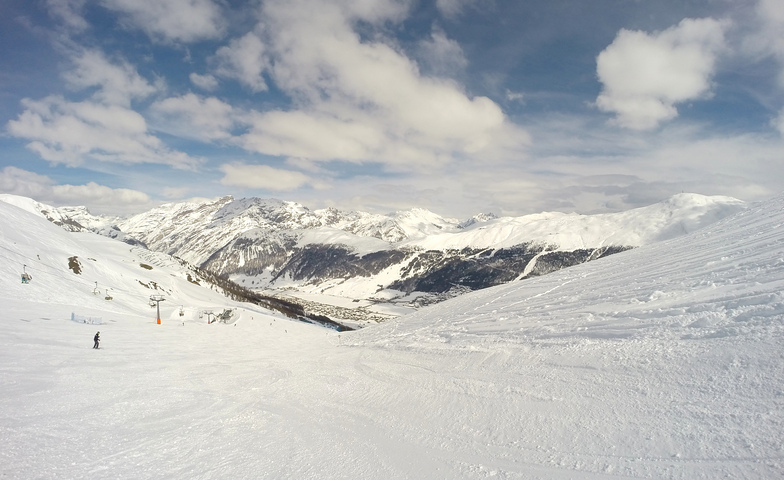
334 236
664 361
682 213
27 204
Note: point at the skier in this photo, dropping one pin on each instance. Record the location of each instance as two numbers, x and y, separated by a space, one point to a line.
97 339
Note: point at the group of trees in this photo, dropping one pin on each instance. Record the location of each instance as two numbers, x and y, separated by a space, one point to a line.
242 294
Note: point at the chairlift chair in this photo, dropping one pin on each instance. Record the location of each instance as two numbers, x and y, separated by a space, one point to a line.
107 297
26 277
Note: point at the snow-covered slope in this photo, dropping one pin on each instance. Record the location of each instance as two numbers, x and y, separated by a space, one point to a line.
79 270
681 214
660 362
63 217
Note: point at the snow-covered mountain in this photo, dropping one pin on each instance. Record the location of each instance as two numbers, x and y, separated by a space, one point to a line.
194 231
663 361
105 275
83 269
64 217
388 264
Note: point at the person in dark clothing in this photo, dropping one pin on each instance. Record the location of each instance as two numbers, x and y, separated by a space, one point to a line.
97 339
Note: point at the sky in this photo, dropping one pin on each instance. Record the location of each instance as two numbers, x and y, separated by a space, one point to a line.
457 106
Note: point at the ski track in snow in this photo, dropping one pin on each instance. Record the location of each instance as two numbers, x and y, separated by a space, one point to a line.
660 362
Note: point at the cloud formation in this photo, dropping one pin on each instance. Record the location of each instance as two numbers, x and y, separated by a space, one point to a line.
442 55
359 98
205 82
117 83
244 60
171 20
69 12
768 39
71 133
778 122
262 176
453 8
191 116
104 127
396 103
99 198
645 75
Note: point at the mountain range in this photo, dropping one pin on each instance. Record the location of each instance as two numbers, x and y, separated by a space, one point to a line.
368 267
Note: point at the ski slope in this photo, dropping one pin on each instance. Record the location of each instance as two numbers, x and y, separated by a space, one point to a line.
664 361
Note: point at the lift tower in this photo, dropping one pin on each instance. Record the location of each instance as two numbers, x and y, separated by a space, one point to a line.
158 299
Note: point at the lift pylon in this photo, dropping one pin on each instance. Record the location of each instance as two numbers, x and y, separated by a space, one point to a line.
157 299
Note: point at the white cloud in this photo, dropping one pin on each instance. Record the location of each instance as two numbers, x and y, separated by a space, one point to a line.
441 55
172 20
98 198
74 132
205 82
103 128
176 193
453 8
778 122
95 194
766 39
244 60
21 182
676 158
515 96
69 12
360 99
313 135
191 116
262 177
118 83
645 75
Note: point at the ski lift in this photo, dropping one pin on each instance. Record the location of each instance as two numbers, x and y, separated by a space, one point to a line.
26 277
107 297
95 290
182 312
152 304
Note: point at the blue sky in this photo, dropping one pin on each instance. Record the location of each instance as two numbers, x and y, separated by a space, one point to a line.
457 106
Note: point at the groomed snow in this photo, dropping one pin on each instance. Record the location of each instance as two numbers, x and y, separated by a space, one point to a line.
664 361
